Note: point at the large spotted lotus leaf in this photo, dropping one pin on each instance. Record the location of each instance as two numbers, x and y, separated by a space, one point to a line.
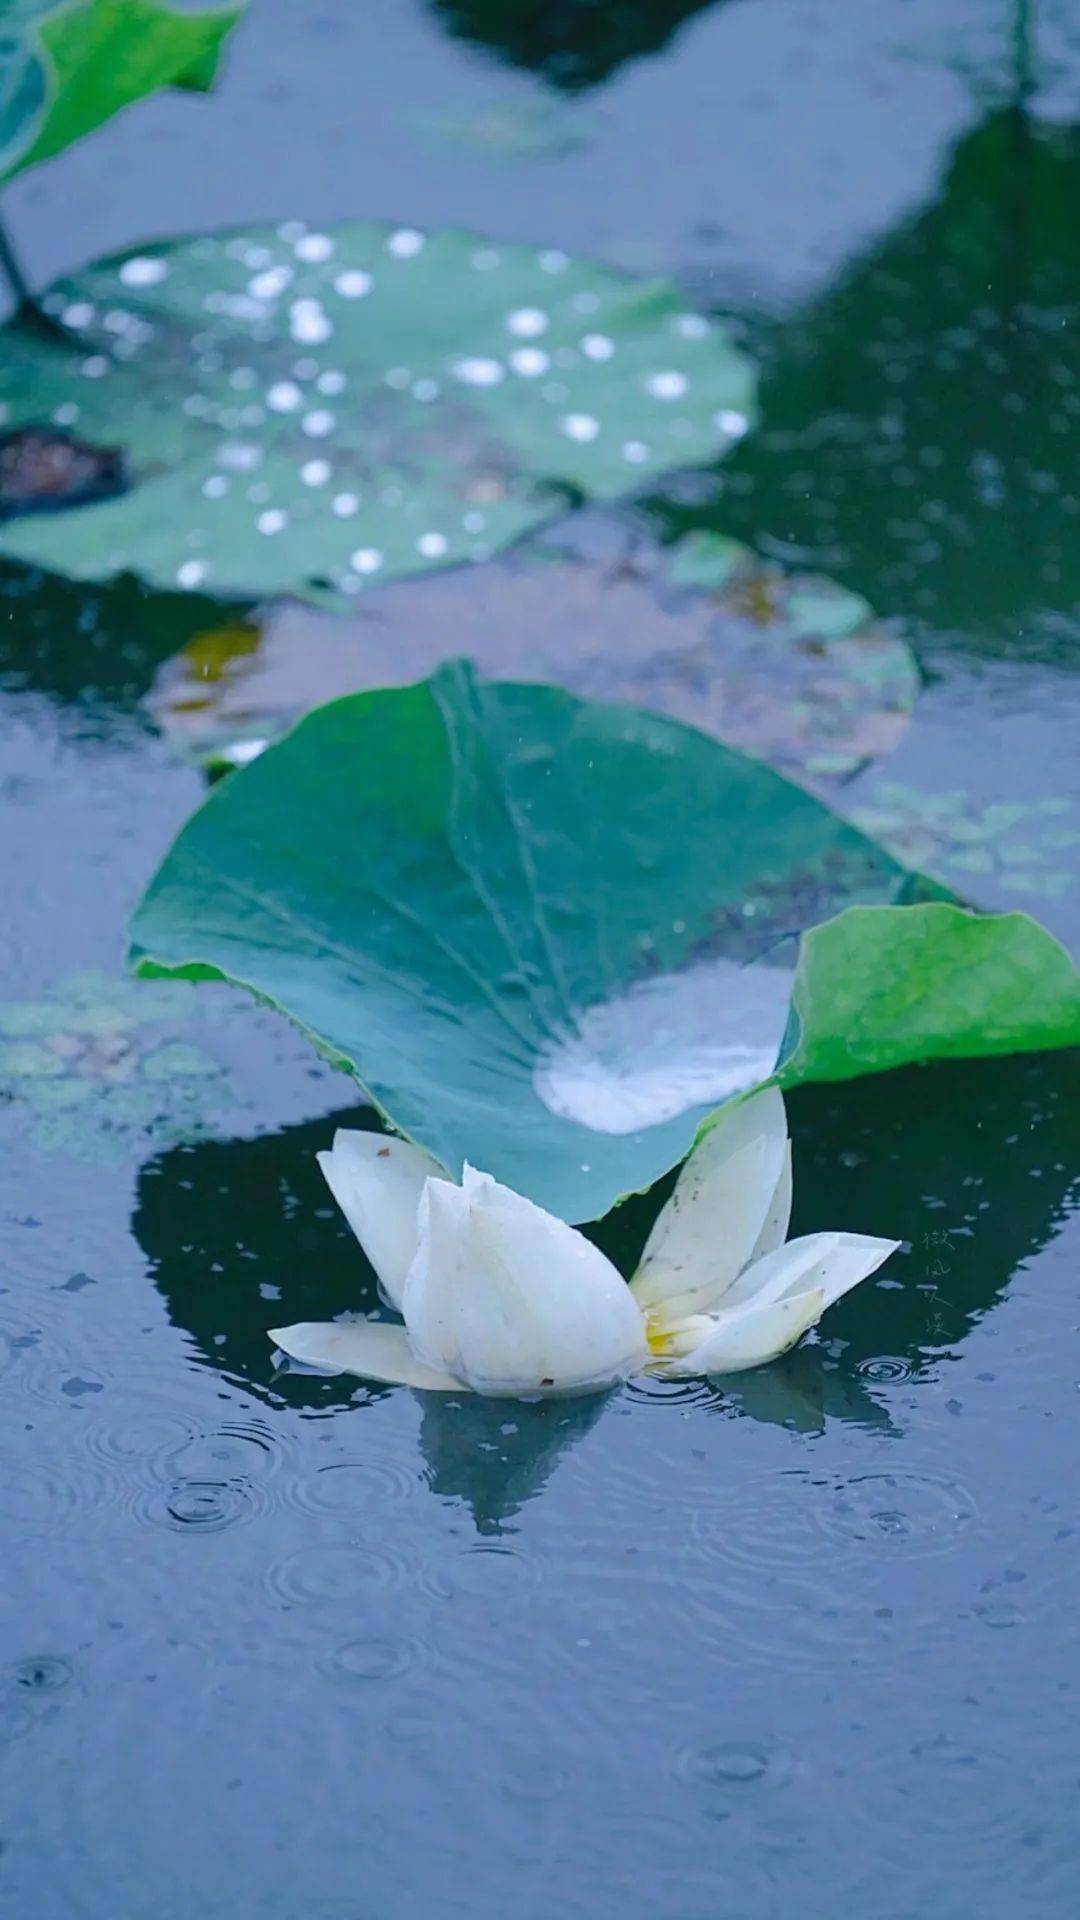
549 935
306 412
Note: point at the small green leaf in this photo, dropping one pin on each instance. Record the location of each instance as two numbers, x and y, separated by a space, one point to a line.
827 612
68 65
705 560
879 987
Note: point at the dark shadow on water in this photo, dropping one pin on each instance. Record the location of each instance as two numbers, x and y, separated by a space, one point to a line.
94 646
920 418
497 1455
572 44
243 1235
969 1164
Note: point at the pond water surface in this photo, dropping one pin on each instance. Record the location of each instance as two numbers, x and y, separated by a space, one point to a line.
276 1648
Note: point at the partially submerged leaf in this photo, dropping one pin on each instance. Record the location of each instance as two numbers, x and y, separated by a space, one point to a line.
1024 847
68 65
102 1066
784 665
310 412
550 935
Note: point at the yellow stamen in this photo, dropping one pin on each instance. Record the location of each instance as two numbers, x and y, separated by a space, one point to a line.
657 1335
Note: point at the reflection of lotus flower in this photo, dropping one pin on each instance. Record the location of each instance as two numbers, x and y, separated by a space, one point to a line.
503 1298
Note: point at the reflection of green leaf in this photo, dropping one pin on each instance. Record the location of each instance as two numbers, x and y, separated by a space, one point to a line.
307 412
931 395
68 65
548 935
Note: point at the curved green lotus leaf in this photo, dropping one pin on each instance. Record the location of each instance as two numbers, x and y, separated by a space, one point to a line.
551 935
310 412
68 65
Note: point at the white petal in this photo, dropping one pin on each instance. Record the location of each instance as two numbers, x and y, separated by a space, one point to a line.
732 1195
752 1336
429 1295
377 1183
778 1219
374 1349
513 1300
835 1262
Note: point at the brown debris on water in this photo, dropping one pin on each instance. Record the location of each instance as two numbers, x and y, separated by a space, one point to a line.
42 470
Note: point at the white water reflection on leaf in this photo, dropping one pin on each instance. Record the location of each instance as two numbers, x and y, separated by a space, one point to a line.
668 1044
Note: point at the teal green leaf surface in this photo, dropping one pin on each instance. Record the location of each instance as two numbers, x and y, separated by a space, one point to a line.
550 935
68 65
309 412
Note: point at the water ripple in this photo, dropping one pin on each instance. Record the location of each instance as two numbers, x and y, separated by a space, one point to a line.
359 1662
202 1506
906 1511
884 1368
333 1573
484 1572
728 1768
41 1673
350 1487
652 1390
39 1495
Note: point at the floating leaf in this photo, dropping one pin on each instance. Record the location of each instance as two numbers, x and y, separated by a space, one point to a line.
550 935
952 833
765 664
102 1065
68 65
705 560
307 412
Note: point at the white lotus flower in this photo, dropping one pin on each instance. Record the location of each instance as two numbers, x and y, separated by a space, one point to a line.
504 1299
